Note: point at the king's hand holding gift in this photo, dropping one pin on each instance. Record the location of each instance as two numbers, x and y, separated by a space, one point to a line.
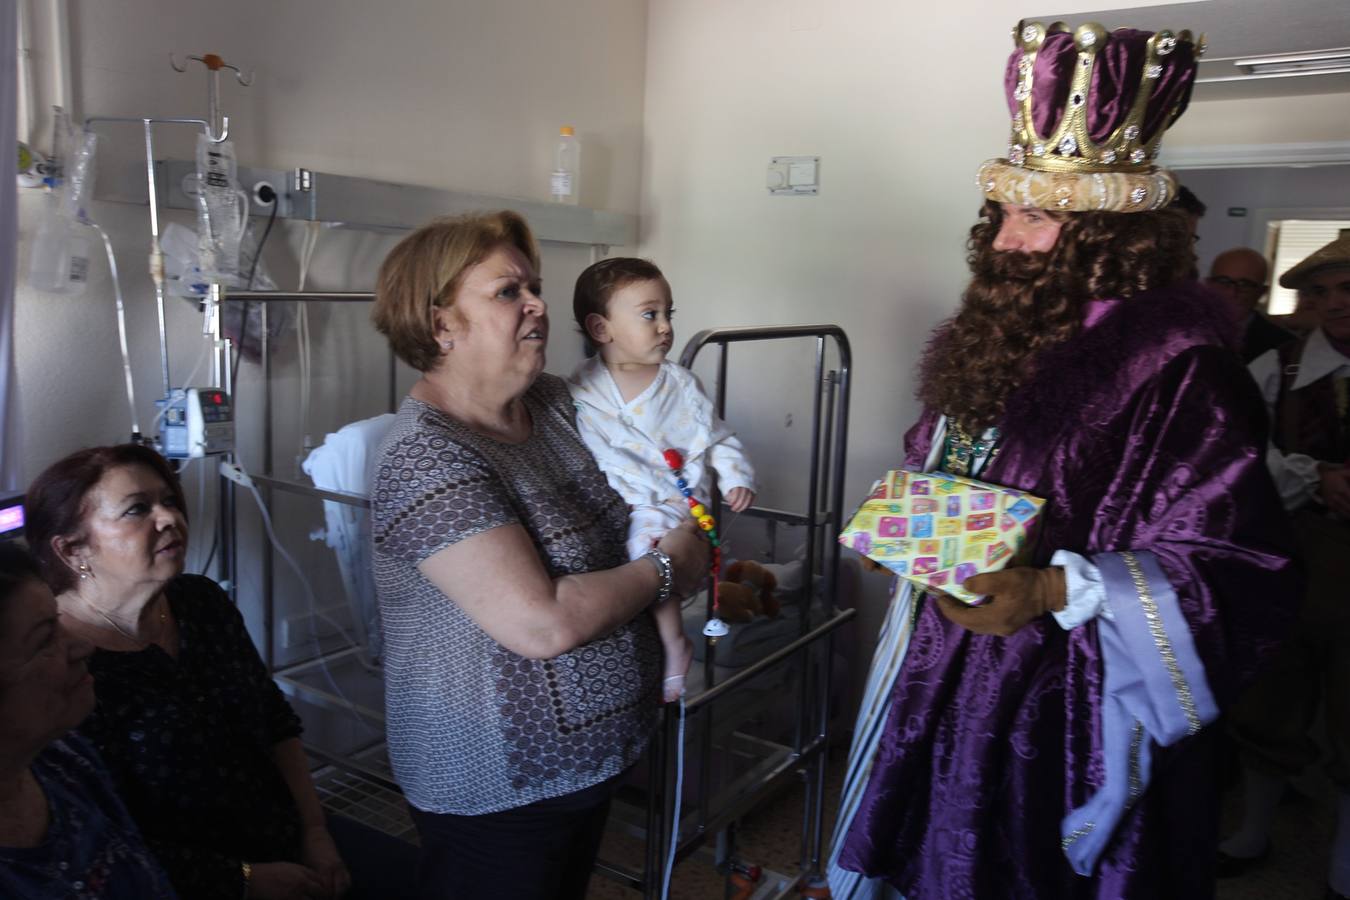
1014 597
946 533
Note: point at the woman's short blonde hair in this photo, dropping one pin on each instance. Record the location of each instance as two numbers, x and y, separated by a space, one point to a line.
424 271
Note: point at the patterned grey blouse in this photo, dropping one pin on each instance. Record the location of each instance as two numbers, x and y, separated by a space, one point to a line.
474 728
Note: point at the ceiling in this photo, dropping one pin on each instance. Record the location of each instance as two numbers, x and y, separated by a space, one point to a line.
1237 27
1242 28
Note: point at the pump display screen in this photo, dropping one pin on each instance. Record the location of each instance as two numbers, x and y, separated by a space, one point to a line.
215 406
11 517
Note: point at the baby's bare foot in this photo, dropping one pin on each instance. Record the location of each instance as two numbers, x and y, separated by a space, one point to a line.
678 658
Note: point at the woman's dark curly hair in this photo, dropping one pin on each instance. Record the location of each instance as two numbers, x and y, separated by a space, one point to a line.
1020 304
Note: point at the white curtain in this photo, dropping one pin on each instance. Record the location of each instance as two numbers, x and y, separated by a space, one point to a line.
9 238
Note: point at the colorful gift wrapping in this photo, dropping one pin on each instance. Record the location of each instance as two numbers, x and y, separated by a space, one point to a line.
937 530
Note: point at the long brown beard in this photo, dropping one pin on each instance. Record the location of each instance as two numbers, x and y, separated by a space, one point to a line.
1009 314
1019 305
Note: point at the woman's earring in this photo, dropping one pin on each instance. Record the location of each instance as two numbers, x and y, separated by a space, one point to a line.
448 345
84 571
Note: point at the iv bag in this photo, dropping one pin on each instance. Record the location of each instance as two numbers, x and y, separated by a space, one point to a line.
222 210
59 261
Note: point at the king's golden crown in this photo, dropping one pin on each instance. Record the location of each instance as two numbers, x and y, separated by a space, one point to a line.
1069 148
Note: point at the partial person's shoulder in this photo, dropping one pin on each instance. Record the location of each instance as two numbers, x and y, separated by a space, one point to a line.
550 390
1143 333
72 754
1181 315
192 585
424 439
585 373
557 398
204 597
680 378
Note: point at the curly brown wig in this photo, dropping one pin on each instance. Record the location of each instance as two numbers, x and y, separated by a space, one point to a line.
1020 304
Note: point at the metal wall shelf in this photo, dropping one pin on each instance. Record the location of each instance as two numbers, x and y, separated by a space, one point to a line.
365 203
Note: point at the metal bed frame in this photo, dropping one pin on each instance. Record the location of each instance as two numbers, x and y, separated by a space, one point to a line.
363 777
805 756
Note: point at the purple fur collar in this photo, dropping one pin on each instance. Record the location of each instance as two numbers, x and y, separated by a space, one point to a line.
1125 343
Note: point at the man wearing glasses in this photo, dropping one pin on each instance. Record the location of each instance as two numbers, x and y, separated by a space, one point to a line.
1239 276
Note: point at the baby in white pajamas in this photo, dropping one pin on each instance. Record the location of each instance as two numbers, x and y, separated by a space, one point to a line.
633 405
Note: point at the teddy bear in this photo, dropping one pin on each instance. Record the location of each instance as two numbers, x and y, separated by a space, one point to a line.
747 591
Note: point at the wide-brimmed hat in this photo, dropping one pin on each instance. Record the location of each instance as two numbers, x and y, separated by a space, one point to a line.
1089 108
1333 255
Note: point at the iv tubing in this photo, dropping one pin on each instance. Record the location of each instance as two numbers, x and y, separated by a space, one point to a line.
60 24
26 95
313 608
156 255
121 327
679 794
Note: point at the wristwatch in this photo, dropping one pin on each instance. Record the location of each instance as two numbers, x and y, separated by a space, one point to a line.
661 560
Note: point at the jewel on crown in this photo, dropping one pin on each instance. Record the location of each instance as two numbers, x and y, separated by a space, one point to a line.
1069 147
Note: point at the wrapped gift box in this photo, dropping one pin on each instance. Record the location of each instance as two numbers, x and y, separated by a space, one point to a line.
937 530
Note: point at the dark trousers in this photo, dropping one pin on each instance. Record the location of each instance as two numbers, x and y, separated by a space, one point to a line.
1273 718
382 866
542 851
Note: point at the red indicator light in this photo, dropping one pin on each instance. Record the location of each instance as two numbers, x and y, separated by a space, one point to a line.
216 398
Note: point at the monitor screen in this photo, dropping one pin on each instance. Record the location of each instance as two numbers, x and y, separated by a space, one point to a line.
11 517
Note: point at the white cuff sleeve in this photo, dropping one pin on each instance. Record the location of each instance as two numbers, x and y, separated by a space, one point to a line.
1296 477
1086 595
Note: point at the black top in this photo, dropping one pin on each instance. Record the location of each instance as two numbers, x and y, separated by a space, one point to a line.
1262 336
189 743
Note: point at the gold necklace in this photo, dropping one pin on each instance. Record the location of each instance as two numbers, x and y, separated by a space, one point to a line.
163 618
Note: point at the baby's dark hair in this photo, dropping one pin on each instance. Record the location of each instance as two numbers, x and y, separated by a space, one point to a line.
599 282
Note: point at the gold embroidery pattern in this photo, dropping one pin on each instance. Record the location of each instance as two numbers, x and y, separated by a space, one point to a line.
1136 787
1136 778
1004 182
1077 834
1159 633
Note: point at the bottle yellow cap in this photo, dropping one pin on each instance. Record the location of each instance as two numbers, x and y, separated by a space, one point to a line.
566 131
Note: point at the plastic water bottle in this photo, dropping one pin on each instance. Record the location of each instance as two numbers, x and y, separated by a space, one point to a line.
564 185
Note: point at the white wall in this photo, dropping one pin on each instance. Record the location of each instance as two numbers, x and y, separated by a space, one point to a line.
1315 192
1314 118
900 124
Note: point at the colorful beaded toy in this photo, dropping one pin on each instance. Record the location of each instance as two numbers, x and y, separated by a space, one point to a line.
715 627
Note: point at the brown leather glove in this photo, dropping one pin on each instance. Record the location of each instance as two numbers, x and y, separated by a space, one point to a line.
1013 598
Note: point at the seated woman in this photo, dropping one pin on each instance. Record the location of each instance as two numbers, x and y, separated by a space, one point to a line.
63 831
202 745
522 669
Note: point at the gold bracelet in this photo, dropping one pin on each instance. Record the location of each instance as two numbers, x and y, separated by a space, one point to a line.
246 869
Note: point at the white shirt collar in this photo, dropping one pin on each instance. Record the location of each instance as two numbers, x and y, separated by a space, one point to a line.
1319 360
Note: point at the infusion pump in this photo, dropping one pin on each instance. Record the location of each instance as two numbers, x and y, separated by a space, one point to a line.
197 421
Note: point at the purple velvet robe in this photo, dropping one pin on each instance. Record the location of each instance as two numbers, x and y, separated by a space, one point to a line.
1143 433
